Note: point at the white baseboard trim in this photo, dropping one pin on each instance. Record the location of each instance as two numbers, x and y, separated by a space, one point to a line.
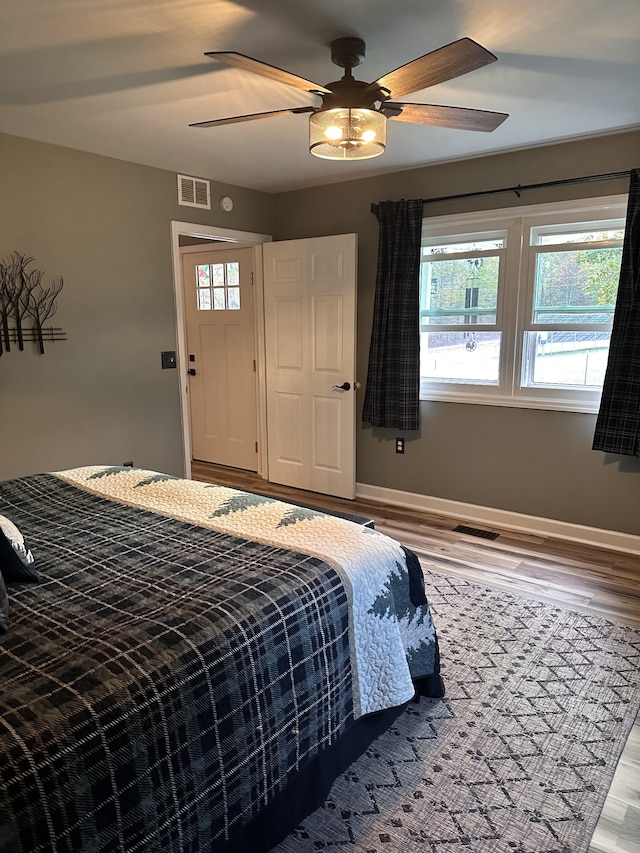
529 524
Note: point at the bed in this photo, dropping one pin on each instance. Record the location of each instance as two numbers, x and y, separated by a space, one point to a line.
187 667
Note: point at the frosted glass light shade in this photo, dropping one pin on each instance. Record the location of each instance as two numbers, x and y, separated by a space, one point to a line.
347 134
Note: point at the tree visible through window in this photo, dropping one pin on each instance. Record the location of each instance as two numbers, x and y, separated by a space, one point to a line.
575 289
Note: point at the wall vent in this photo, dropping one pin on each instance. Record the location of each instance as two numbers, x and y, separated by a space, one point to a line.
194 192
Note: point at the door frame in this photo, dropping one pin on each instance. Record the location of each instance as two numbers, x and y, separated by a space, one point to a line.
213 232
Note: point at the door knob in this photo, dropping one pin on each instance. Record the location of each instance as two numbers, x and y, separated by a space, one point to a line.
344 387
191 371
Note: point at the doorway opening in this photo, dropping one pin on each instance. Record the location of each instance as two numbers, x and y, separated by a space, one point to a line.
189 233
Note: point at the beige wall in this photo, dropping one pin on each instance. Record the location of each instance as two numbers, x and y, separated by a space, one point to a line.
102 396
104 225
529 461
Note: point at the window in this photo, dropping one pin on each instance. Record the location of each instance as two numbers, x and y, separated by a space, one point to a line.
218 287
461 280
518 310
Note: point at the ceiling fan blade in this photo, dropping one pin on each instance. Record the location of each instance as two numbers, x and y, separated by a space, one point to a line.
252 116
246 63
458 118
453 60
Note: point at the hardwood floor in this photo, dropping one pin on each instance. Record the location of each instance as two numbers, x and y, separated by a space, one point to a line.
593 580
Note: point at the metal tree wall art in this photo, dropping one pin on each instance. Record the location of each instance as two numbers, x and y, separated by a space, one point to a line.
26 303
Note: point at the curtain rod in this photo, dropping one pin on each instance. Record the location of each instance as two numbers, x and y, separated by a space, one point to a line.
518 189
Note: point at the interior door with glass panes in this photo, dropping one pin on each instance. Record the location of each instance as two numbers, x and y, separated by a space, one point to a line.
219 312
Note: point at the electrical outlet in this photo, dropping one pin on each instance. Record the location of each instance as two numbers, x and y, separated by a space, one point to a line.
127 464
399 445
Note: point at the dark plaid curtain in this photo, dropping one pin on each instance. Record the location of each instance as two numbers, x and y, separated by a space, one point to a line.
618 423
392 396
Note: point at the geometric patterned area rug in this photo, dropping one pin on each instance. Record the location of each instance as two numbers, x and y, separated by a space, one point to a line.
519 755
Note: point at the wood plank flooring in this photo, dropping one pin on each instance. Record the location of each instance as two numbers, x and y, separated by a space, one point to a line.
593 580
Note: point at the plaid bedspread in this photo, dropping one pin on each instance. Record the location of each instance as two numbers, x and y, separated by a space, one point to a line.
168 677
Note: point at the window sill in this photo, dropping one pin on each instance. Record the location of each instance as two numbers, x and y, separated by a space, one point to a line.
520 402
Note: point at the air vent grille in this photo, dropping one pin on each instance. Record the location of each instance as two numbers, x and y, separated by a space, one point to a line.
476 531
194 192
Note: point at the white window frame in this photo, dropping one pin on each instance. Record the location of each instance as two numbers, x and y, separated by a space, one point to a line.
515 300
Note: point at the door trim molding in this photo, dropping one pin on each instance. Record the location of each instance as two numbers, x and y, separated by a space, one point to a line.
213 232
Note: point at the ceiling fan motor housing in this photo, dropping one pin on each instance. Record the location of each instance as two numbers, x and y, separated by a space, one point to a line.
352 93
347 52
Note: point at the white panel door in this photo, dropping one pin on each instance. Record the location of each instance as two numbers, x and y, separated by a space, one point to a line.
219 311
310 342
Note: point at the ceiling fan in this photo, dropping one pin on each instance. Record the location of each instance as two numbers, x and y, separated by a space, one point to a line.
350 123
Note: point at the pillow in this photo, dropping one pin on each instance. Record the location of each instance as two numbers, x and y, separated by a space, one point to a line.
4 607
15 558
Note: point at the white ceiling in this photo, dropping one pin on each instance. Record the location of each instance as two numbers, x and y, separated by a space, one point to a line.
124 78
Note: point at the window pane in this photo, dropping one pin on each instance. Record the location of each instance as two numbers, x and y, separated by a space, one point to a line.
544 236
233 274
459 291
218 274
468 246
204 299
460 356
202 273
577 359
576 286
233 298
218 299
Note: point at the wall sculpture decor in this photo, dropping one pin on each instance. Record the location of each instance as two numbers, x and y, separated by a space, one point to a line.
26 304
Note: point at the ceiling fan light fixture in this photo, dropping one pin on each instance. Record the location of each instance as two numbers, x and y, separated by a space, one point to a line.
347 134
